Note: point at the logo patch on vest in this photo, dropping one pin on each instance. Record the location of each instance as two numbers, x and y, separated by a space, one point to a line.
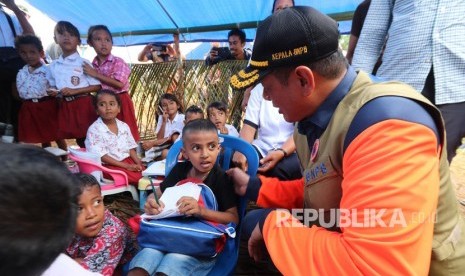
316 171
314 152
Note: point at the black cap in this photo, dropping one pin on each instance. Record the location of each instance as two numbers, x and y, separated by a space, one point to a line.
292 36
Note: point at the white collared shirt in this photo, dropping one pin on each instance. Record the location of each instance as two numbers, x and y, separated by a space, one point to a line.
69 72
272 129
232 131
171 127
7 38
101 140
32 85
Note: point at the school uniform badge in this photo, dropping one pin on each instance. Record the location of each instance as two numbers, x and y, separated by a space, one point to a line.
75 80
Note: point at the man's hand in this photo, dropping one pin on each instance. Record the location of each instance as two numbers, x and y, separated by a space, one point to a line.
256 244
170 51
270 160
245 99
148 48
240 179
213 53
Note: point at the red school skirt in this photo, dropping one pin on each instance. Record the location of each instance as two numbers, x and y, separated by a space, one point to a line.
133 177
38 120
128 114
75 117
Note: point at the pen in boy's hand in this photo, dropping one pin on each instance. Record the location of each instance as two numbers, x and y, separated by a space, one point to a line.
154 191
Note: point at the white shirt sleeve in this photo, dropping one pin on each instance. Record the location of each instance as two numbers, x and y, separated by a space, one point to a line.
95 140
91 80
232 130
252 113
158 127
49 75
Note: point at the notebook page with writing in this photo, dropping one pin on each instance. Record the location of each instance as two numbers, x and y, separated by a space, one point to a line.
171 196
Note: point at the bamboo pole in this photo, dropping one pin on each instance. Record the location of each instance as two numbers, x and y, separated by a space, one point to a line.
179 71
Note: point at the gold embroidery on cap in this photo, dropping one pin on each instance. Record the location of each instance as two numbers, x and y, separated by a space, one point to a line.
290 53
245 75
300 50
259 63
281 55
236 83
251 80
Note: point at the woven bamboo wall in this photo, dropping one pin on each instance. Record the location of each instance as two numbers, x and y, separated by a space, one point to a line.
193 83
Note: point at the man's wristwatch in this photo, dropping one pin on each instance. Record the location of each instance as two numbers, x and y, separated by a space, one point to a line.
280 149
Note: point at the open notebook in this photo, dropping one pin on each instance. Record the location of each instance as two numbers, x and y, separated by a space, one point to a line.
156 168
171 196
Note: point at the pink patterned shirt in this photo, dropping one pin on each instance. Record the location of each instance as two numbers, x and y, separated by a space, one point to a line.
115 68
102 141
112 246
32 85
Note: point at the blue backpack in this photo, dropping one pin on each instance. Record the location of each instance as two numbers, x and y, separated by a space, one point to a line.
187 235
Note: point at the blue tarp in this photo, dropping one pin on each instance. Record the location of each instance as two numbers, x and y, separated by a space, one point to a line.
135 22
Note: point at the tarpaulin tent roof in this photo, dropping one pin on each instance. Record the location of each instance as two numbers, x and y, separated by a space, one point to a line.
134 22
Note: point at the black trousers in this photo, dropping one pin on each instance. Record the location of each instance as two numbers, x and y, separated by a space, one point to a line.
9 105
453 115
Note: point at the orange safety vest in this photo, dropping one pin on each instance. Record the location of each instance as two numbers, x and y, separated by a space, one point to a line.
323 191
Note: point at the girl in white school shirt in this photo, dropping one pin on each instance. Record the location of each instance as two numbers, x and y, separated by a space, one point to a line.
170 123
72 85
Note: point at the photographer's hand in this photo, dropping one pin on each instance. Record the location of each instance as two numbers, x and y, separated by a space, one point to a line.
170 51
213 54
147 50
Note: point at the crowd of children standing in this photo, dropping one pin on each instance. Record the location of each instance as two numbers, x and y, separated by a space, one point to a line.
72 98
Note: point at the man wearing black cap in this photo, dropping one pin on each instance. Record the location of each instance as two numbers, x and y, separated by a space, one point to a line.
375 197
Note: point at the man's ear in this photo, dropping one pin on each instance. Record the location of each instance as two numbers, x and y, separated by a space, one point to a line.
305 77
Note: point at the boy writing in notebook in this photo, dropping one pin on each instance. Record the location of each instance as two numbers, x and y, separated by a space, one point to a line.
201 148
